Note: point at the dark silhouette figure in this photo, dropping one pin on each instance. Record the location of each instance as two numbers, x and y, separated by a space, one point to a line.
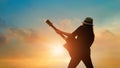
79 43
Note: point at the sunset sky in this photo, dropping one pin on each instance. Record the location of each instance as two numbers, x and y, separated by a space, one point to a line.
26 41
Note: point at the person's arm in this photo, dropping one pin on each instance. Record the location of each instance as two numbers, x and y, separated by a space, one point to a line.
62 32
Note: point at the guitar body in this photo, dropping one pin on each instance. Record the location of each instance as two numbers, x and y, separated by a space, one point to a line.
70 44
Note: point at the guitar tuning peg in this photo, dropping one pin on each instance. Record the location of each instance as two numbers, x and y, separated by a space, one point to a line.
47 20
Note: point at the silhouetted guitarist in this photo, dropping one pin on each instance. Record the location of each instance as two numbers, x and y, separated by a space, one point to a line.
79 48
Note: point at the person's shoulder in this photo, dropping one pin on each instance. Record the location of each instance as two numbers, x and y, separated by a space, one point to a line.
81 26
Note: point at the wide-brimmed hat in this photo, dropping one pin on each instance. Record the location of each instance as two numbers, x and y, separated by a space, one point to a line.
88 21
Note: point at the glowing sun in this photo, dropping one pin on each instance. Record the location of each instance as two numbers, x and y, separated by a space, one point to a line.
58 50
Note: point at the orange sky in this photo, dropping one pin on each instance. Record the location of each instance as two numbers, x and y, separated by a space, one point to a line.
40 48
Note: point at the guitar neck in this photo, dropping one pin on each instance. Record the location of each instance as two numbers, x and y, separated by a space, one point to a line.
56 30
59 34
54 27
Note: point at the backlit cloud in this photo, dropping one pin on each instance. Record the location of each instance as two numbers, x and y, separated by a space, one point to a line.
3 39
26 35
106 45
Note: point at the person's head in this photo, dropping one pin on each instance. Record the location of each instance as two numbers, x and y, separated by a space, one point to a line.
88 21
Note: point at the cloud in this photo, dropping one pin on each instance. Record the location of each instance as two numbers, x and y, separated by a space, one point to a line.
66 25
22 43
3 39
27 35
69 25
106 49
107 37
21 35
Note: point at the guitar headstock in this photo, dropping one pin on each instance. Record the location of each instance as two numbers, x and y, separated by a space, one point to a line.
49 23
